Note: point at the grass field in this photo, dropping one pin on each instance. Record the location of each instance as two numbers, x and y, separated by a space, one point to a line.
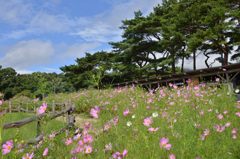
198 122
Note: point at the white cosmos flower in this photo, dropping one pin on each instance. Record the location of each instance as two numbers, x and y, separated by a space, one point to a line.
155 114
129 123
133 116
237 91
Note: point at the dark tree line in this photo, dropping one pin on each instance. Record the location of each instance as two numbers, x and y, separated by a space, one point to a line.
31 85
161 42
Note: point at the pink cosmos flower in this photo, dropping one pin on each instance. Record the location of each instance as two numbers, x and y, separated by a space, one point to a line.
217 79
68 141
196 88
147 121
77 136
77 150
88 149
227 124
126 112
106 126
172 156
94 112
124 152
220 116
52 136
162 93
80 143
164 143
1 102
87 125
87 139
225 112
153 129
219 128
42 109
206 132
45 152
150 100
118 155
7 147
234 133
238 114
175 86
115 121
28 156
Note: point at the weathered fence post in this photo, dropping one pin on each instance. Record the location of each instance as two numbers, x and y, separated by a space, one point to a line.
27 107
38 127
53 107
19 107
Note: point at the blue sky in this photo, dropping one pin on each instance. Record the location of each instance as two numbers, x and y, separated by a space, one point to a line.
43 35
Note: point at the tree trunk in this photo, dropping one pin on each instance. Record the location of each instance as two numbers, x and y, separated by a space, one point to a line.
173 65
194 60
225 53
206 60
182 68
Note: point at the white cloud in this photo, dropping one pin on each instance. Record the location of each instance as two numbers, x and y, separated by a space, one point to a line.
14 12
105 26
26 54
44 22
79 50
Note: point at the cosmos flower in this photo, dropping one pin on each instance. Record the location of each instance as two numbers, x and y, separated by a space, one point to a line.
155 114
94 112
42 109
45 152
68 141
129 123
220 116
153 129
147 121
118 155
126 112
28 156
88 149
164 143
172 156
7 147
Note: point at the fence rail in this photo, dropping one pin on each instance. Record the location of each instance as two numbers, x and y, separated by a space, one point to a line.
68 110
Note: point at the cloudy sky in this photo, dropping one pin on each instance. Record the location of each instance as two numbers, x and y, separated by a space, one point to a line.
43 35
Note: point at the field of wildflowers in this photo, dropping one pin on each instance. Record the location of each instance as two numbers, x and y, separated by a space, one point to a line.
198 122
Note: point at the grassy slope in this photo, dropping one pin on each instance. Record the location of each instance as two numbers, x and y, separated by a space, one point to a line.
183 116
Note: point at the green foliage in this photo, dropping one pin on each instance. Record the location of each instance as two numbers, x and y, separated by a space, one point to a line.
154 44
30 85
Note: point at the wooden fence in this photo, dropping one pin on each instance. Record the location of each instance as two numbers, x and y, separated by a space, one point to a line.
30 107
68 111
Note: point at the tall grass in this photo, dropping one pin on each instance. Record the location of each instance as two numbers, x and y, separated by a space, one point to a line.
199 122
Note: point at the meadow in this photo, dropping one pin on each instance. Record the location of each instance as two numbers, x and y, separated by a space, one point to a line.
195 122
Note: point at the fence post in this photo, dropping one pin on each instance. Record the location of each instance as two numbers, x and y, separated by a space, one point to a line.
38 127
19 110
53 107
27 107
